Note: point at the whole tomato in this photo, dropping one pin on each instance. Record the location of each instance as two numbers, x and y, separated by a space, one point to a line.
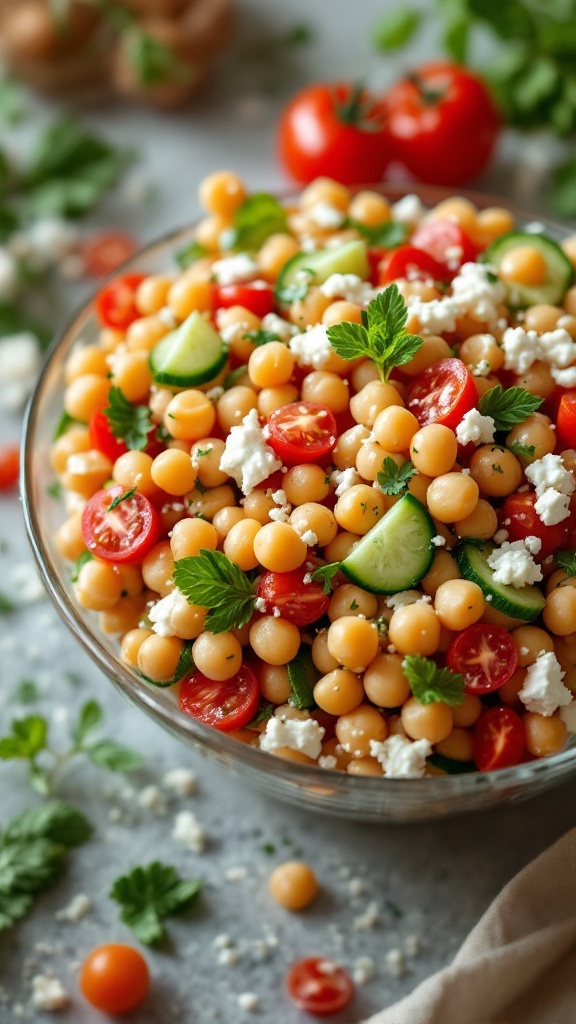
337 131
443 123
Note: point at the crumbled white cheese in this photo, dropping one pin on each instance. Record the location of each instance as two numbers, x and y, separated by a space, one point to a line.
312 348
246 456
500 536
229 957
521 349
309 538
283 328
438 541
564 378
568 716
363 970
188 831
236 874
395 964
513 563
213 394
435 317
349 287
240 267
248 1001
327 761
476 294
400 757
27 586
550 471
345 479
369 919
408 210
181 781
404 598
233 332
552 507
161 614
558 348
480 369
475 428
75 910
261 604
151 798
282 513
48 993
303 734
325 215
20 362
167 316
543 691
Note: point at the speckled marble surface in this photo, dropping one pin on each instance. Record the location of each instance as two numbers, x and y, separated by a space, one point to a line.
432 881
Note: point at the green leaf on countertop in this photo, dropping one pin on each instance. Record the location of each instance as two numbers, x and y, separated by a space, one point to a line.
508 406
151 893
129 423
55 820
188 255
303 676
566 560
393 479
111 755
81 561
27 738
258 217
212 581
397 28
430 684
90 717
26 692
388 235
154 61
6 604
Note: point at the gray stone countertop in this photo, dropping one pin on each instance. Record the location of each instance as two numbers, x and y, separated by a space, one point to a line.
403 896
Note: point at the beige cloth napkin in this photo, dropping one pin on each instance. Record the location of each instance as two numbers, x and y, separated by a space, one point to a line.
518 965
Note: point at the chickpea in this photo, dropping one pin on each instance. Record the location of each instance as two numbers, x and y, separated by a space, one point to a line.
309 311
431 351
326 389
293 885
332 748
134 469
69 539
306 483
433 449
206 454
535 430
225 519
371 457
239 544
365 766
364 373
453 496
369 208
359 509
207 503
99 586
189 536
157 568
524 264
357 728
217 655
131 643
234 405
458 604
317 519
158 657
188 620
342 311
190 415
348 445
209 230
481 523
269 400
73 442
457 745
531 641
478 348
544 736
275 640
142 335
341 546
325 190
415 629
493 222
537 380
468 712
86 359
86 472
271 365
275 253
352 600
279 548
124 615
274 683
443 568
172 470
339 692
258 505
560 611
152 294
458 209
234 324
353 642
85 396
371 400
321 656
222 193
385 683
394 428
432 722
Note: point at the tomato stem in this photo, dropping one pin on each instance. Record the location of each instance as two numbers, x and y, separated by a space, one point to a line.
352 110
428 96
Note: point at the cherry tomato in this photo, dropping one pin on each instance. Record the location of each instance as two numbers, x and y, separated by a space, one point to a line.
115 978
499 739
485 655
566 421
102 438
226 705
408 261
9 466
525 522
124 534
104 252
337 131
319 986
257 296
116 305
302 432
447 243
443 393
443 123
299 602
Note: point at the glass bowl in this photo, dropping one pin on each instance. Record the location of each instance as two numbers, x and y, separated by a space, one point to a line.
330 792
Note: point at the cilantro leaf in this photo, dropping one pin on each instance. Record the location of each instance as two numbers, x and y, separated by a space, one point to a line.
261 337
258 217
508 407
393 479
325 574
130 423
212 581
188 255
54 820
91 714
122 497
111 755
303 676
566 560
28 738
381 337
430 683
397 28
388 235
150 893
523 451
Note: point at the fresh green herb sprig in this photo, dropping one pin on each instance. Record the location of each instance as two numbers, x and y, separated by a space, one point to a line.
150 893
212 581
393 479
261 337
125 496
508 406
523 451
324 574
430 684
303 676
130 423
381 336
566 560
258 217
388 235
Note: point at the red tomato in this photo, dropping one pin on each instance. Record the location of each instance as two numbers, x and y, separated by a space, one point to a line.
298 602
124 534
446 242
116 305
105 251
566 422
102 438
257 296
319 986
443 123
9 466
336 131
226 705
443 393
115 978
499 739
525 522
485 655
408 261
302 432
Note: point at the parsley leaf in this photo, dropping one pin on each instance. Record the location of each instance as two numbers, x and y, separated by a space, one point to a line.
258 217
28 738
430 683
122 497
212 581
381 337
90 716
130 423
54 820
393 479
303 676
508 407
188 255
150 893
261 337
388 235
523 451
113 756
566 560
325 574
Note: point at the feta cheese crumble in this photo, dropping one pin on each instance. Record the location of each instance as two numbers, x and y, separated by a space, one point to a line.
400 757
404 598
20 362
476 294
543 691
435 317
521 349
188 831
163 613
438 541
554 484
231 269
475 428
181 781
345 479
246 456
312 348
303 734
325 215
75 910
282 513
408 210
349 287
248 1001
513 563
309 538
552 507
48 993
283 328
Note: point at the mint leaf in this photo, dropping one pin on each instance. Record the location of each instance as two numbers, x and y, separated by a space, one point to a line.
150 893
28 738
508 407
91 714
397 28
303 676
566 560
130 423
393 479
212 581
430 684
111 755
325 574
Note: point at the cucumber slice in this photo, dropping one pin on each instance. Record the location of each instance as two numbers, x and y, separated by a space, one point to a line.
317 267
559 272
396 553
192 354
523 603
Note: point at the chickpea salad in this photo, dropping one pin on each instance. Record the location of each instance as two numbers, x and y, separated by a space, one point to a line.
320 480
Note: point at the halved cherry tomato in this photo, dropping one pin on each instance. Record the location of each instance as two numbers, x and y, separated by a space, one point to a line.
485 655
499 739
226 705
102 438
124 534
105 251
257 296
298 602
525 522
566 421
443 393
116 305
115 978
317 985
9 466
408 261
302 432
447 243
